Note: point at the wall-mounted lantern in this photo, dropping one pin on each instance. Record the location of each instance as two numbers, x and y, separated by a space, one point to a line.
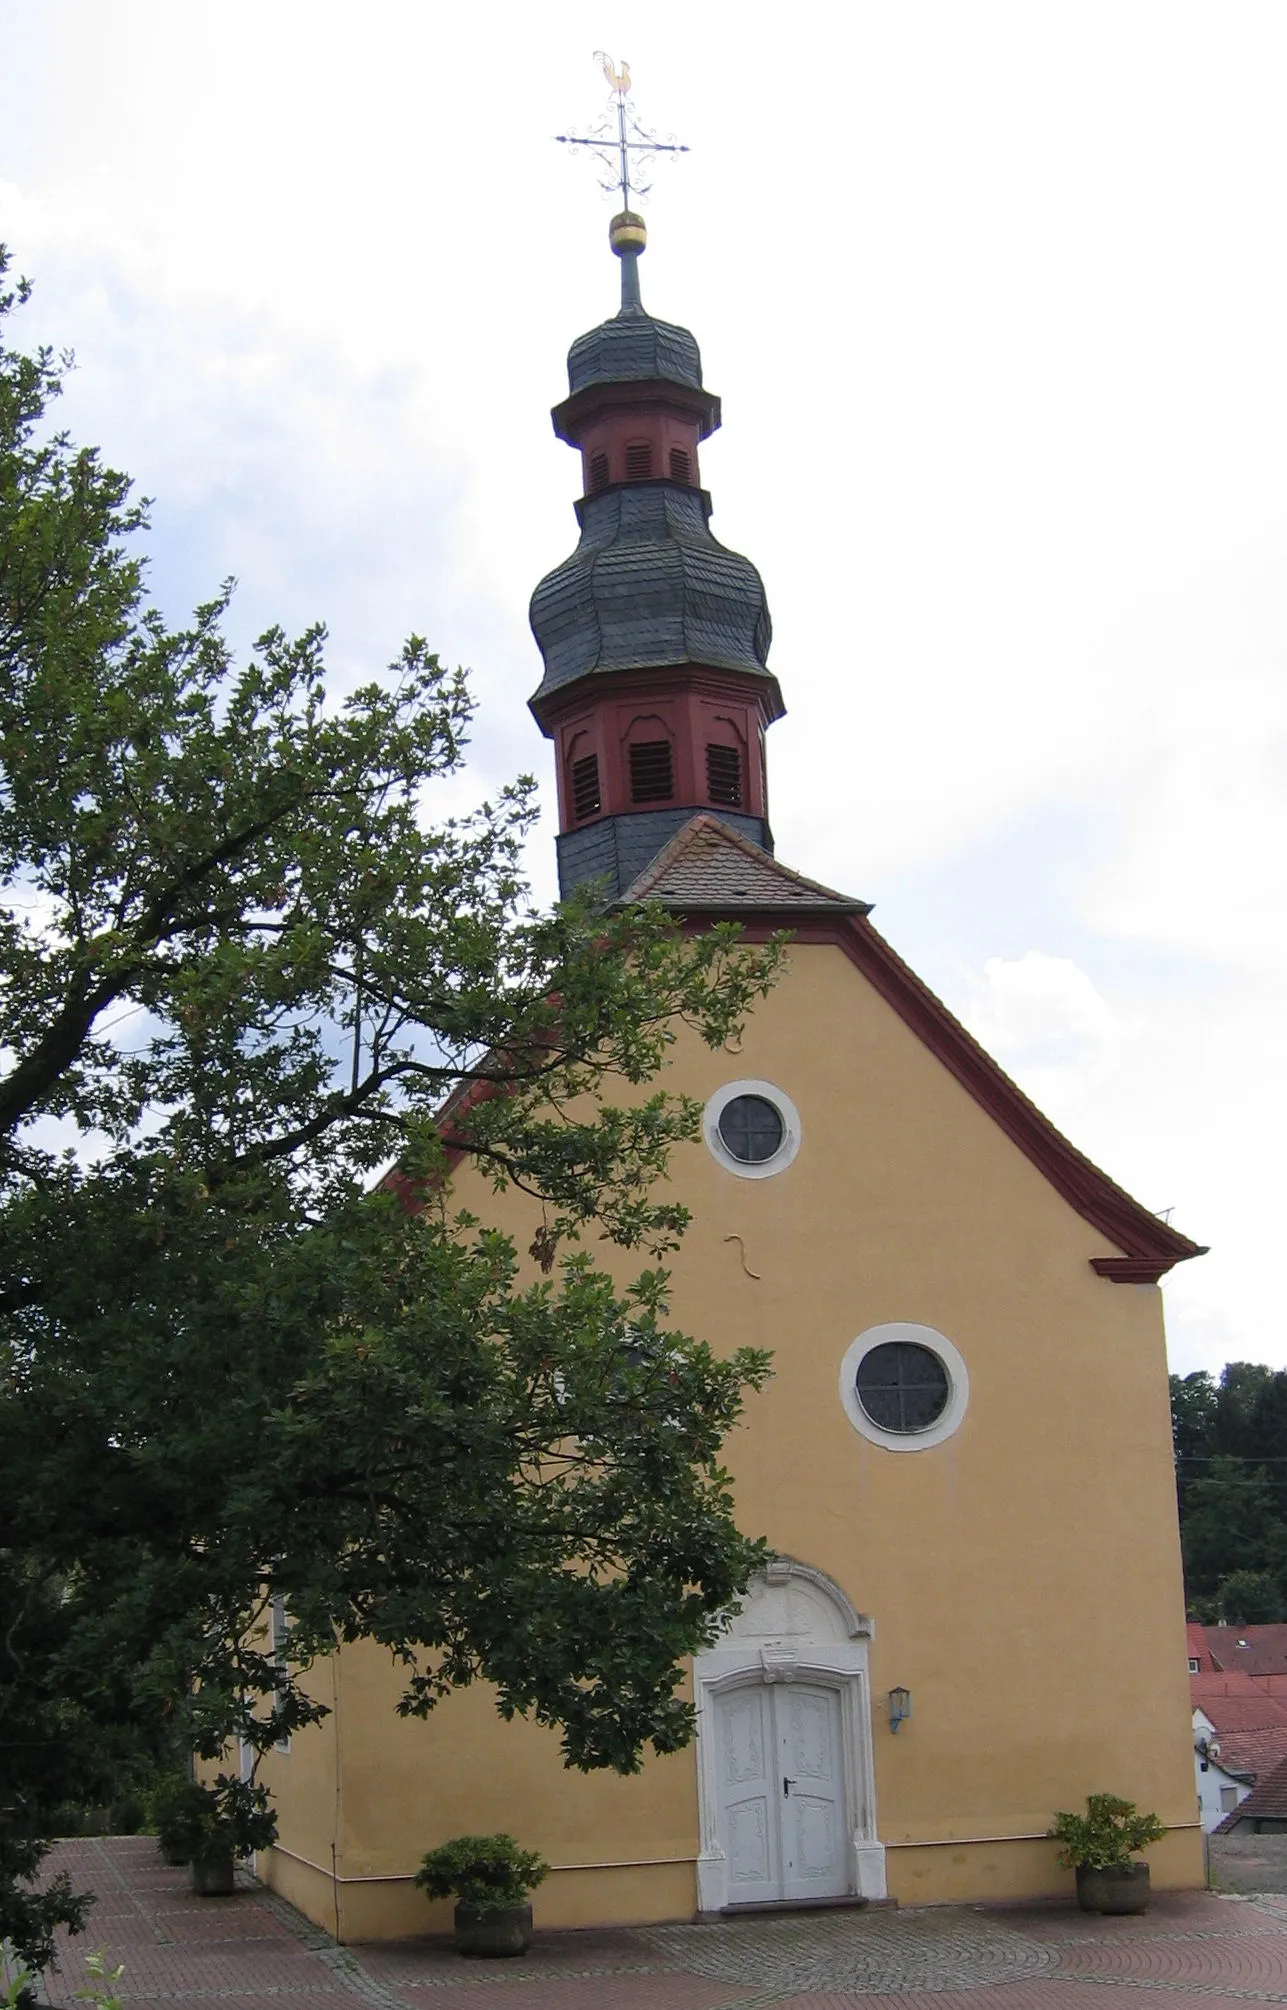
900 1707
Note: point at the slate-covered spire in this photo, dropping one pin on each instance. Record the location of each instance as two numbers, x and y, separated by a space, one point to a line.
655 637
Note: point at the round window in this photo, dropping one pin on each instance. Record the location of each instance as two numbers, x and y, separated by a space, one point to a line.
751 1129
903 1386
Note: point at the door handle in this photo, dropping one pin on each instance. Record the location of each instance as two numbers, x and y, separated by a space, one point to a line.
786 1787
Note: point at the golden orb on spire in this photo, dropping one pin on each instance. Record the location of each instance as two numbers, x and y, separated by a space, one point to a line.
627 232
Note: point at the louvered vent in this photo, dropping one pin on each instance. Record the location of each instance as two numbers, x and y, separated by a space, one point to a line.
598 472
681 466
585 788
724 776
651 779
639 461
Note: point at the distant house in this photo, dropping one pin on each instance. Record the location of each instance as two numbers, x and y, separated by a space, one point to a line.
1265 1808
1239 1731
1221 1789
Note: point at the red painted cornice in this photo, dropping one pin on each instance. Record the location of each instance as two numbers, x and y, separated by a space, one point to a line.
1149 1246
669 681
631 394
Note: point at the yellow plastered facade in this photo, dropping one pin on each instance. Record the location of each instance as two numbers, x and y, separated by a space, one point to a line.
1022 1578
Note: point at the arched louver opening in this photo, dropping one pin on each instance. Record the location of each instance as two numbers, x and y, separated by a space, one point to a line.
724 776
586 800
651 772
681 466
598 472
638 461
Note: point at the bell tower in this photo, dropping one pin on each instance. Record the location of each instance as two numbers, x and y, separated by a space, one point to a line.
657 692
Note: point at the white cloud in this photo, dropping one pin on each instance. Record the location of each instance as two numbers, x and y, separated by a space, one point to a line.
1172 1097
1044 1007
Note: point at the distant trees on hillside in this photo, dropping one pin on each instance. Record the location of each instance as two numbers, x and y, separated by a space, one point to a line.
1231 1476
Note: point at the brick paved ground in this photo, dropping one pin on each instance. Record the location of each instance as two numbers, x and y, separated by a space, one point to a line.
1198 1950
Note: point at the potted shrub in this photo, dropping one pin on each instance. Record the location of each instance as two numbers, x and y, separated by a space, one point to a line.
173 1804
1101 1846
490 1877
210 1827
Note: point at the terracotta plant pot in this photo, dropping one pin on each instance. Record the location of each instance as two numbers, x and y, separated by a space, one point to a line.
212 1876
506 1930
1122 1890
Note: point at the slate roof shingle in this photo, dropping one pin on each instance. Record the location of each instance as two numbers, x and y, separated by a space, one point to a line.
649 587
707 866
634 345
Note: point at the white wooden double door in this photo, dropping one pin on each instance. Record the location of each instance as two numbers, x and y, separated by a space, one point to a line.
782 1817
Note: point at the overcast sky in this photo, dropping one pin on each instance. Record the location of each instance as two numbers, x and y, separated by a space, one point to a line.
995 296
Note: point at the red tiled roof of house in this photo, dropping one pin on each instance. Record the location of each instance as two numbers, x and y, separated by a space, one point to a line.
1198 1651
1258 1650
1234 1702
1267 1798
1253 1754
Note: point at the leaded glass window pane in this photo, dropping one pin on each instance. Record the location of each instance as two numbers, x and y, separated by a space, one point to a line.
902 1387
751 1129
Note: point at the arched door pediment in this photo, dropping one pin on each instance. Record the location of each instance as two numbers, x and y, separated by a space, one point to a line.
792 1603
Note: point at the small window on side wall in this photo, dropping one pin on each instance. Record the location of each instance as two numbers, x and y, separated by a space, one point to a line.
598 472
681 466
586 801
751 1129
652 777
638 461
724 776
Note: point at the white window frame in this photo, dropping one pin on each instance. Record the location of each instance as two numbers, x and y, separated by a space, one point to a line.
958 1386
770 1093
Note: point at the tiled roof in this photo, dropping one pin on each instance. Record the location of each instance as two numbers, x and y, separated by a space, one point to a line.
708 866
1253 1753
1259 1650
1197 1639
1234 1702
1268 1798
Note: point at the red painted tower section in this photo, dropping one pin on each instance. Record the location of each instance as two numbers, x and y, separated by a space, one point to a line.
656 694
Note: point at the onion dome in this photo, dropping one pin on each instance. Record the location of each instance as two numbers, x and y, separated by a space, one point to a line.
647 587
630 346
633 344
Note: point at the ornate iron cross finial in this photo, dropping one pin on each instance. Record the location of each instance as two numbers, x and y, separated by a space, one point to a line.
618 142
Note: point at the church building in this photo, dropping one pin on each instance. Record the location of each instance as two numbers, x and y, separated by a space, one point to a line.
962 1463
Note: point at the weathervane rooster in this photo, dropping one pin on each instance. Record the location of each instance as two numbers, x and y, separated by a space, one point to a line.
618 141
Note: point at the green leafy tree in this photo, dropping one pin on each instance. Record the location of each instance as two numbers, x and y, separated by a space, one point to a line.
1231 1472
1250 1598
243 969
